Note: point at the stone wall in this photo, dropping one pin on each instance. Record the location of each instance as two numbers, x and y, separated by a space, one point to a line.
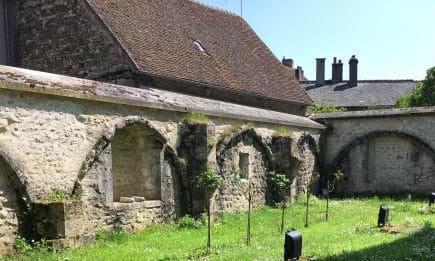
388 151
65 37
124 157
9 210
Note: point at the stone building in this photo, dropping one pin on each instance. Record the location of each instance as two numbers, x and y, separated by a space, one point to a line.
353 94
182 46
124 158
117 153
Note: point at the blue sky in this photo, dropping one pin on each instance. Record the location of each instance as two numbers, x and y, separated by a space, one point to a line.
392 39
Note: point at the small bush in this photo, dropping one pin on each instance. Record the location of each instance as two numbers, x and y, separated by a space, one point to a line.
21 245
228 131
196 117
324 108
58 196
282 132
188 222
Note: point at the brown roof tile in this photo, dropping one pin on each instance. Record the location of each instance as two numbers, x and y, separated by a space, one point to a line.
160 35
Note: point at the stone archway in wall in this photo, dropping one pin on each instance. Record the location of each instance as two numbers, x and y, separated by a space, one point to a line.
386 161
132 172
307 168
247 153
14 219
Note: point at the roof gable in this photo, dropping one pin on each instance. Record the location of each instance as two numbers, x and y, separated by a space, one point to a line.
187 40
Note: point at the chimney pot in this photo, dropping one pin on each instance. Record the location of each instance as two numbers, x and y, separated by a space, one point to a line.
287 62
337 71
353 71
320 71
299 73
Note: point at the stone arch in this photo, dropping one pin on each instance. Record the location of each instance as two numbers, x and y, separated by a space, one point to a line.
14 200
163 201
244 148
307 155
366 142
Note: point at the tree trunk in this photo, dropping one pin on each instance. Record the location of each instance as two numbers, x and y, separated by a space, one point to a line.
208 227
248 236
306 212
327 200
282 218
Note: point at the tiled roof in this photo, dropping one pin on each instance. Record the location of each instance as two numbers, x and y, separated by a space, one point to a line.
365 94
183 39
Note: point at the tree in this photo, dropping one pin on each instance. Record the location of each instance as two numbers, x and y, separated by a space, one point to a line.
281 184
245 182
423 93
209 181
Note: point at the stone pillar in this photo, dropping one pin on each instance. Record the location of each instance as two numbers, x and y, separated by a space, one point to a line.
194 149
320 71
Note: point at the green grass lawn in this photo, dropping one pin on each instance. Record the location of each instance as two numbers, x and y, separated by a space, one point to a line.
350 234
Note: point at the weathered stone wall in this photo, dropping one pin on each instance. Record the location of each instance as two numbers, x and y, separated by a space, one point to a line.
381 151
131 144
9 210
65 37
234 194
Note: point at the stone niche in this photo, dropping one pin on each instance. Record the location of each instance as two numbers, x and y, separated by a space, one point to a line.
243 155
389 164
132 183
59 223
136 165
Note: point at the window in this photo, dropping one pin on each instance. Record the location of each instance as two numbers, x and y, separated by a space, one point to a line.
244 165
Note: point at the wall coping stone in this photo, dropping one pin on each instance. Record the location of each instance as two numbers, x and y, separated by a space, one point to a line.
24 80
374 113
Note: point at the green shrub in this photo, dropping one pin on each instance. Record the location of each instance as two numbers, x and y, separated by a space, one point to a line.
194 117
21 245
58 196
188 222
324 107
282 132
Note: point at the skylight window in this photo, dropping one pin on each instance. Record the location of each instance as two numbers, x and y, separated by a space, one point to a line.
199 46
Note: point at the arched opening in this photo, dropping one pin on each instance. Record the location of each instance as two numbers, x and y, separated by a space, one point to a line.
14 213
248 157
306 178
136 163
132 161
385 161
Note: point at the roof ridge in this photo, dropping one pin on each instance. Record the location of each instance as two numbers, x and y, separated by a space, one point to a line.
199 2
363 81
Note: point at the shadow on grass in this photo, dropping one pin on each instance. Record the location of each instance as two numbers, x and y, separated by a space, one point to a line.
417 246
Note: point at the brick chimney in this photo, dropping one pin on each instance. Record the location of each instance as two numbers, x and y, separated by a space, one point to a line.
287 62
353 71
299 73
8 10
337 71
320 71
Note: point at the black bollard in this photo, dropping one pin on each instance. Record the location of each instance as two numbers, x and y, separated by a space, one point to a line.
292 245
383 216
431 198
